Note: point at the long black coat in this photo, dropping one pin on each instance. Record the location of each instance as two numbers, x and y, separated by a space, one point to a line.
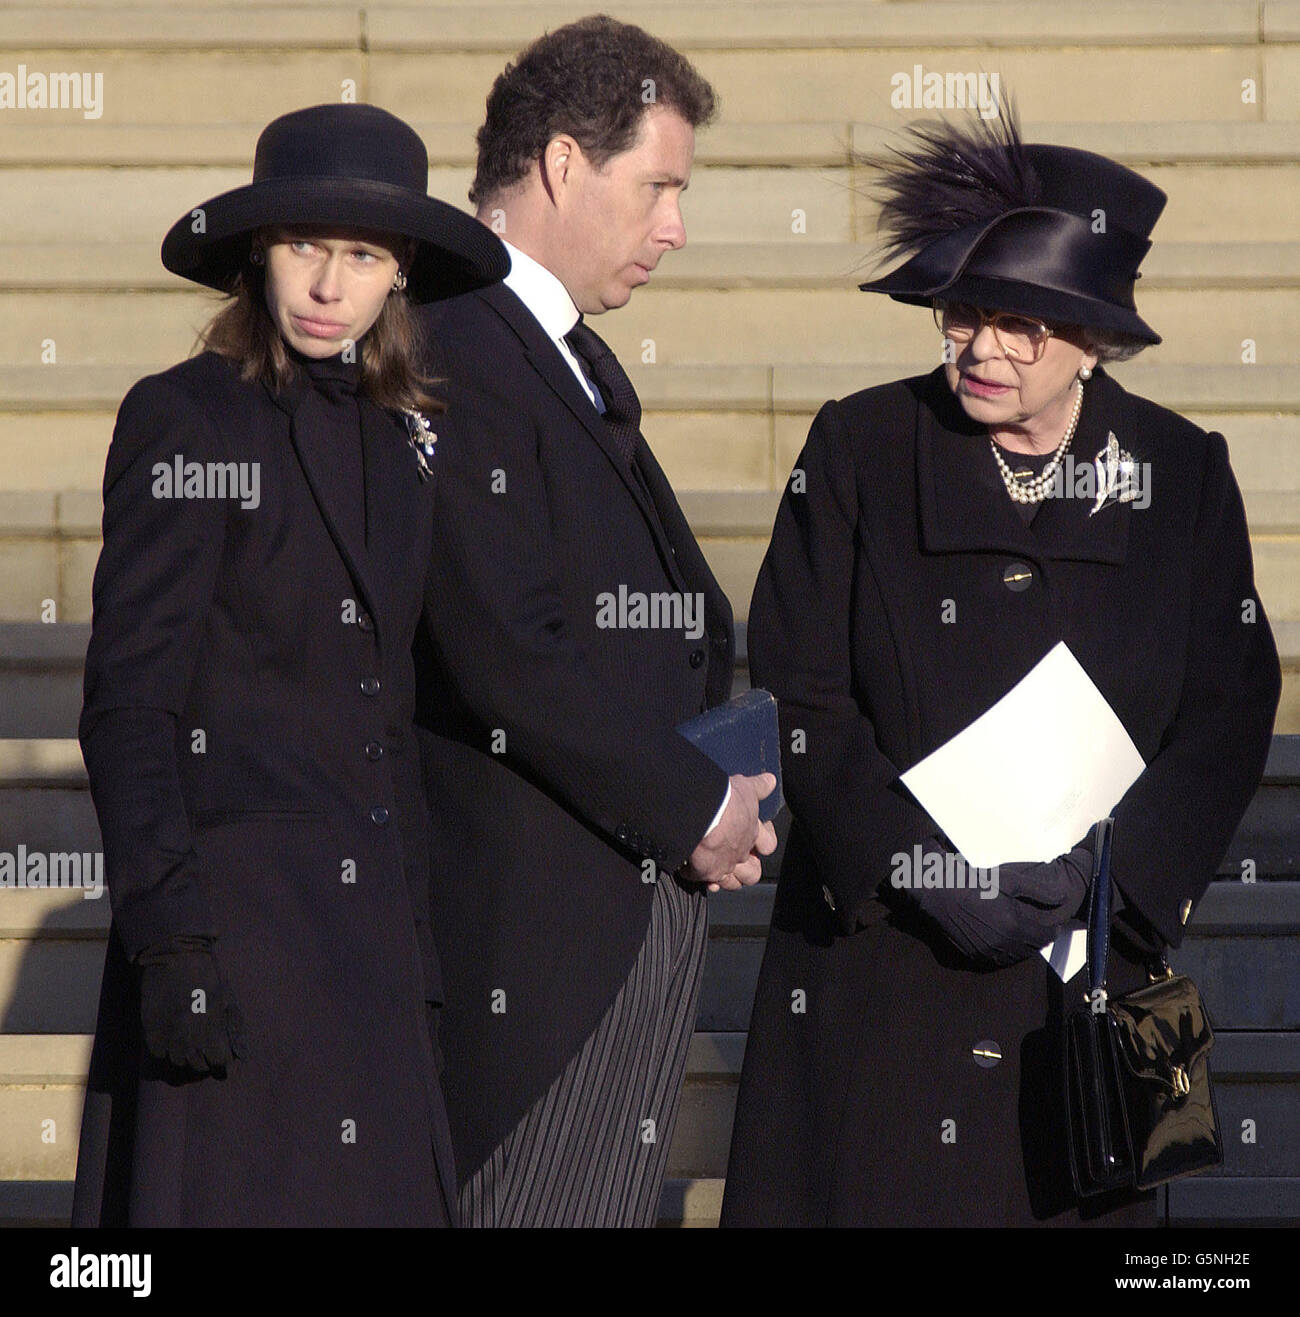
542 833
846 1088
247 729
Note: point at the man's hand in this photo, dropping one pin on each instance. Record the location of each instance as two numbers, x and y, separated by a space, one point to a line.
730 856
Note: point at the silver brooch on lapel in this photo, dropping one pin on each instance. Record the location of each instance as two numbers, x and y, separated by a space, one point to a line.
1116 475
423 441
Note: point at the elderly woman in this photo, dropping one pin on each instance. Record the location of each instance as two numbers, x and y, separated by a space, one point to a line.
903 1065
264 1052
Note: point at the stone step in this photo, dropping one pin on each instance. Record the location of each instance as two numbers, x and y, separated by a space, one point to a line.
735 562
52 952
701 328
48 819
1257 1077
34 1203
1251 200
42 1085
231 142
1199 1201
793 62
793 263
798 389
40 680
713 459
42 1080
675 331
457 28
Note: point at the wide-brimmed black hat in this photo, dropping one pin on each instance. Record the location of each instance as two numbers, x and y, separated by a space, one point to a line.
1045 231
356 166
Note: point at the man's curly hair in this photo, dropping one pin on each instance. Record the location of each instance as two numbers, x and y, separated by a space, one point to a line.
593 79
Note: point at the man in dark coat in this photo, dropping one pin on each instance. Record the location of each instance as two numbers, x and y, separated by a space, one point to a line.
574 623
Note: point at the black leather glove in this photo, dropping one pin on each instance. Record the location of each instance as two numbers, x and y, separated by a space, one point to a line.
199 1033
1033 900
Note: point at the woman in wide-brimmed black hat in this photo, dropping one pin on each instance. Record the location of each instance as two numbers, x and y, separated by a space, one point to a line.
264 1052
938 537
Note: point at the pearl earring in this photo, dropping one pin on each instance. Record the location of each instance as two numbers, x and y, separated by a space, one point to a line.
1085 372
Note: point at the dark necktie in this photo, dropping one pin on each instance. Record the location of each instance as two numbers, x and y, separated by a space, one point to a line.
622 407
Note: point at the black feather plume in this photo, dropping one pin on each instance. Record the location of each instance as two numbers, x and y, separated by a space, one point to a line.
948 176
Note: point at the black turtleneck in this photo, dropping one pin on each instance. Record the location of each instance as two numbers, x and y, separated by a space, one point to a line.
336 384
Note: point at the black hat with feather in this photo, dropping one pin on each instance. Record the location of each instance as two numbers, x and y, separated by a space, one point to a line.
1045 231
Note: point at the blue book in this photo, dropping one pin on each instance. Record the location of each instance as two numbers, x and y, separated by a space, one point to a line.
742 736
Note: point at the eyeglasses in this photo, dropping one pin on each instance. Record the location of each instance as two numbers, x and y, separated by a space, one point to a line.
1017 336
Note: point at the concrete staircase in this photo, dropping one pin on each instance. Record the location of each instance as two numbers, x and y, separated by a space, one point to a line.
737 341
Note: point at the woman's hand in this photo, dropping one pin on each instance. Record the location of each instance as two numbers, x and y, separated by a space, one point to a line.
186 1010
1007 922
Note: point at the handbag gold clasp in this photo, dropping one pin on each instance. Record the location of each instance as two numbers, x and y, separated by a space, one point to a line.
1182 1082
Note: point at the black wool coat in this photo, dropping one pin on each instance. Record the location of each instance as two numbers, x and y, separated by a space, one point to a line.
247 729
555 780
860 1047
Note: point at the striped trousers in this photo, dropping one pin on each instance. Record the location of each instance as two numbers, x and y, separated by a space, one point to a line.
593 1150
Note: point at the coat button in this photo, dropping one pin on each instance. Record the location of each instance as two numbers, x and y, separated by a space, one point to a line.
986 1053
374 750
370 685
697 657
1019 576
366 622
379 814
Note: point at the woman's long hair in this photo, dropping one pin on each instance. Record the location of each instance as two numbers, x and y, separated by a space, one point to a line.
243 331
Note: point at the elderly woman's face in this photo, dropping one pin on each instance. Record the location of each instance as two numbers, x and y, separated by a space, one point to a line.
999 390
325 289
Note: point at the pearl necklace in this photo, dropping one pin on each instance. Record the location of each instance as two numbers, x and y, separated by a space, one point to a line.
1036 490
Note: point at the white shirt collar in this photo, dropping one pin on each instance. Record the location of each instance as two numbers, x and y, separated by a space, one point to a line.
541 292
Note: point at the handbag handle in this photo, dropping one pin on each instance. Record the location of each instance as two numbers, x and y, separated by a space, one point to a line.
1099 906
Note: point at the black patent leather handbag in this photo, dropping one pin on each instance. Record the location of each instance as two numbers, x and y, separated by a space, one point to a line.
1138 1096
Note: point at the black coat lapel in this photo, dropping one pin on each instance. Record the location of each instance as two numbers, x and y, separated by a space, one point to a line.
319 464
544 357
1068 527
394 495
964 505
688 564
